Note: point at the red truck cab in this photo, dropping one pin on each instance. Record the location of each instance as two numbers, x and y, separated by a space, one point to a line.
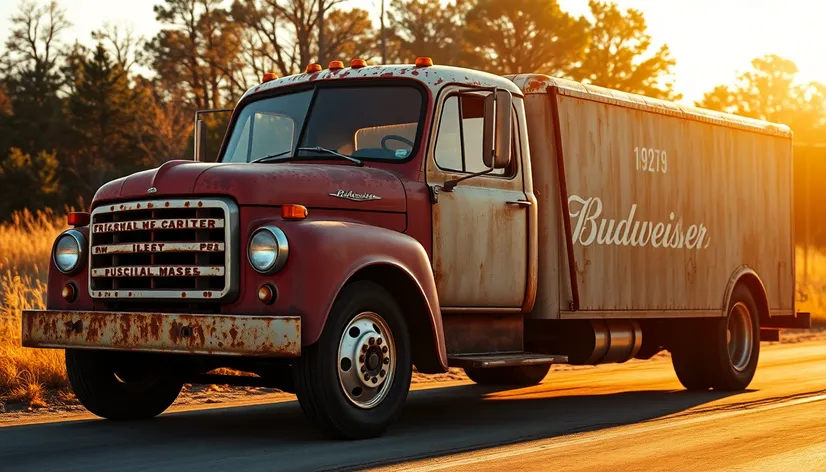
317 206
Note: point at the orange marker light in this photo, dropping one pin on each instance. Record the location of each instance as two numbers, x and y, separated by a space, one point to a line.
268 77
69 292
424 62
266 294
358 63
336 65
313 68
78 218
293 212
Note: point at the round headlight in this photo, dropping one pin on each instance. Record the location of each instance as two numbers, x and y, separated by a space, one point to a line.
69 251
268 249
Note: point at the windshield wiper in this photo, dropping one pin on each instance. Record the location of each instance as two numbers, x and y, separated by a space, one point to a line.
271 156
332 153
319 149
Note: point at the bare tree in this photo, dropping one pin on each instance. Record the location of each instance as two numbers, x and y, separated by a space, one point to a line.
34 42
283 34
199 50
121 43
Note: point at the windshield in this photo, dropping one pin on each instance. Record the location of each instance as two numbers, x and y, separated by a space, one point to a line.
366 122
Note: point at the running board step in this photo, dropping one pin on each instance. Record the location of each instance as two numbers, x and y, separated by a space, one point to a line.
504 359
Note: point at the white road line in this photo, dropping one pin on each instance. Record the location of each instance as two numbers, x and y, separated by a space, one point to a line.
592 437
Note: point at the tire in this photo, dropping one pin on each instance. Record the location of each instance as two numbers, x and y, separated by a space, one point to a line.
522 375
331 390
688 355
125 390
709 356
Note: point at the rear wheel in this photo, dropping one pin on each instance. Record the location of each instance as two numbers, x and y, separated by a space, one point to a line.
721 354
522 375
354 381
119 387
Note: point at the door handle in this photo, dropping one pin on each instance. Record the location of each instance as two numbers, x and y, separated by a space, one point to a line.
524 203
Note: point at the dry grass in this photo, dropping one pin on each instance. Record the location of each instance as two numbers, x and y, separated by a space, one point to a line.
811 286
25 373
25 243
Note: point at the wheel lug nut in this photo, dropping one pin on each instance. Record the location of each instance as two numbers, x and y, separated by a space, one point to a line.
366 377
383 373
378 341
386 360
363 369
375 380
384 349
364 348
372 341
361 358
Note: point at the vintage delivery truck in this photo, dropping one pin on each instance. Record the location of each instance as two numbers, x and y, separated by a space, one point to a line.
360 221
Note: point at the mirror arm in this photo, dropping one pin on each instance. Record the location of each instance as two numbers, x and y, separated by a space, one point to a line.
451 184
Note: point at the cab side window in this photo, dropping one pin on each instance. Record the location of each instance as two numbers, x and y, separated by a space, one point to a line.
459 143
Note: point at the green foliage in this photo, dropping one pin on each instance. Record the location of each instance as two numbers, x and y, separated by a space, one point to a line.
198 50
28 181
619 56
770 91
428 28
101 116
517 36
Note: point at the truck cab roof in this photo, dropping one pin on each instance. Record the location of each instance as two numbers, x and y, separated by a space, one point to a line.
433 77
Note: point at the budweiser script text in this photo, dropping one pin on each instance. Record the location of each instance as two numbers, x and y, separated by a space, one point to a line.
591 228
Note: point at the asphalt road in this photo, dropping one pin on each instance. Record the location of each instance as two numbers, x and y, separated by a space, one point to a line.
618 417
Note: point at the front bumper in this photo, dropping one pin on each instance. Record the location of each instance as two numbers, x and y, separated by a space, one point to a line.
233 335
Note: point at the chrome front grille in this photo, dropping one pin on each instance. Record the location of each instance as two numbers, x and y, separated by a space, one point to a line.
164 249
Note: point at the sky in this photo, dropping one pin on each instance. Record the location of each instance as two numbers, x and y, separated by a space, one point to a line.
712 40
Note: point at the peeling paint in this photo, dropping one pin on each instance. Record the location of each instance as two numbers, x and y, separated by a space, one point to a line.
434 77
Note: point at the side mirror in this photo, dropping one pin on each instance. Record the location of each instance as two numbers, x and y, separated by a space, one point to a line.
496 137
200 140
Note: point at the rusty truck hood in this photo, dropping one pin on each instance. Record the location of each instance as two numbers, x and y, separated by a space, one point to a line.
312 185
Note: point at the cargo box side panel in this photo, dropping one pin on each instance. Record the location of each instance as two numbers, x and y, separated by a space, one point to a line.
664 209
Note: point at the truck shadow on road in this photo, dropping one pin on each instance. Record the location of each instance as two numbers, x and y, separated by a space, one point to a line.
435 422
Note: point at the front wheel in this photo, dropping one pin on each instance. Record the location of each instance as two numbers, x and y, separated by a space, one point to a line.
721 353
119 387
353 382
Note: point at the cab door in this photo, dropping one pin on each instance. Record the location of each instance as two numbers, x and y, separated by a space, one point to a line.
480 227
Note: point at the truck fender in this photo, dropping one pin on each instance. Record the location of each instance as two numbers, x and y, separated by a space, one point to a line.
746 275
326 255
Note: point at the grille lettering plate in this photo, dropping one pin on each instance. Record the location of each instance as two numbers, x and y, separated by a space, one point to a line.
133 248
158 271
164 249
149 225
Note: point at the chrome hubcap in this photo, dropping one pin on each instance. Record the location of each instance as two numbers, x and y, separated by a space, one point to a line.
366 360
740 336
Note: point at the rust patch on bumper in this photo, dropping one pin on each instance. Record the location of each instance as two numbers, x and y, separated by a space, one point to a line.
239 335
